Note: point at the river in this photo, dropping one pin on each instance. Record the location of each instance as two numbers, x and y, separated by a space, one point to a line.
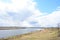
7 33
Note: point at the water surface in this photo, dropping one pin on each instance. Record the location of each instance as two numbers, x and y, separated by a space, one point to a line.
7 33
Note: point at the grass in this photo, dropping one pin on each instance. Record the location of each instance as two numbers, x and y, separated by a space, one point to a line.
46 34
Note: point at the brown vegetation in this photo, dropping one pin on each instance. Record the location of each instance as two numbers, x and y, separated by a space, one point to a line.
46 34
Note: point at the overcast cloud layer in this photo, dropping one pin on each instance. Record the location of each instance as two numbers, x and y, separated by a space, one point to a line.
24 13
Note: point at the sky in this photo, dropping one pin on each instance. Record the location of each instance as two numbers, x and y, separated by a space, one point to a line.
48 5
30 13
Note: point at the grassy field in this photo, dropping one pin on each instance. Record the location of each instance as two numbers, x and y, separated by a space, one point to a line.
46 34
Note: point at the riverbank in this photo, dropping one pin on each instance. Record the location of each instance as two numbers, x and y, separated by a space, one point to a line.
46 34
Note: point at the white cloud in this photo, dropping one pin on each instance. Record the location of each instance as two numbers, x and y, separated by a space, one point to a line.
23 12
26 24
50 20
11 13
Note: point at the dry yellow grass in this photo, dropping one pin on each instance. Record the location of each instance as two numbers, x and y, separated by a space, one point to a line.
46 34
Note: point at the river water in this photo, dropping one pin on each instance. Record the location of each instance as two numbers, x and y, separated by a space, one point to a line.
7 33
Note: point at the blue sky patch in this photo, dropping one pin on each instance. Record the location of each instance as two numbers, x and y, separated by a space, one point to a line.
47 5
6 1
